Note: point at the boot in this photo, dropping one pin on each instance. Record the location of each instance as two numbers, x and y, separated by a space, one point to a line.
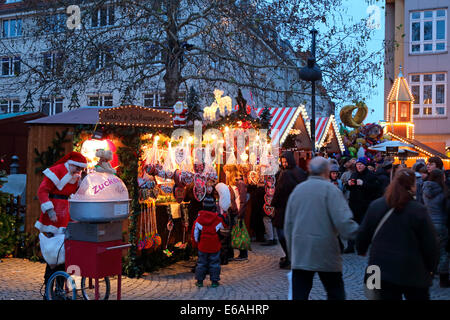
444 280
270 243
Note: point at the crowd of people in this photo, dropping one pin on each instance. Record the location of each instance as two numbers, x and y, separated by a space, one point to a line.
399 215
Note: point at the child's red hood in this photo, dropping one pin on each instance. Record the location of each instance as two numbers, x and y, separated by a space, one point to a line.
207 218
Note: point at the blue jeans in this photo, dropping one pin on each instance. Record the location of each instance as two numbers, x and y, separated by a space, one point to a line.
208 262
442 231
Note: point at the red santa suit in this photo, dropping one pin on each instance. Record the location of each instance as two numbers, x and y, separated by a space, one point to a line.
54 191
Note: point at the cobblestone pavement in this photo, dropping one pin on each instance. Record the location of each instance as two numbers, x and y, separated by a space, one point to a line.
259 278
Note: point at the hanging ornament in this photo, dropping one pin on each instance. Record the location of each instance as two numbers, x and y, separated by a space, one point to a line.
268 210
186 178
179 194
253 177
199 187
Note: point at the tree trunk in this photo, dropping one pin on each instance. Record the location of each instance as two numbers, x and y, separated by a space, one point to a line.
172 77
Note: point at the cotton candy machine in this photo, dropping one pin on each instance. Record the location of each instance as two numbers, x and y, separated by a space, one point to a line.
102 197
94 237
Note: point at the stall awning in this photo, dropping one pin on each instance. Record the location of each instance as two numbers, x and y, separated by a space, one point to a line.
323 125
283 118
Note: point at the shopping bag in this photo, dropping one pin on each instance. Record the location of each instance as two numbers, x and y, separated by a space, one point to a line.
240 239
289 277
52 248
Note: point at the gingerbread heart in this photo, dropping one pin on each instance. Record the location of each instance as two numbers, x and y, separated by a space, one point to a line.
268 199
270 191
179 193
253 177
268 210
186 177
199 192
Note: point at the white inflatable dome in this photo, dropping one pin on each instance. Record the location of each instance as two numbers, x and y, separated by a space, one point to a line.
101 186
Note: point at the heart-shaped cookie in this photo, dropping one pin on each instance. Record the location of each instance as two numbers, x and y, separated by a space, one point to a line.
253 177
268 210
199 192
268 199
179 193
270 191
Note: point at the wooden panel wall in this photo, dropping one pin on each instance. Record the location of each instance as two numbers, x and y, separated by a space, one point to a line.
39 137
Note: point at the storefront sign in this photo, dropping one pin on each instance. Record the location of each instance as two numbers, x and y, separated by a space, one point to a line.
135 116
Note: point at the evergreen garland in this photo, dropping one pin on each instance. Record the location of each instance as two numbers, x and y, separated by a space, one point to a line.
193 103
74 103
266 118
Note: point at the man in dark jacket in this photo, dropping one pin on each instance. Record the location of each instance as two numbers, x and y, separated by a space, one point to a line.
289 177
383 174
364 188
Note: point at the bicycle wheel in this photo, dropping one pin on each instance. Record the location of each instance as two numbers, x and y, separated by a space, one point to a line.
61 286
88 290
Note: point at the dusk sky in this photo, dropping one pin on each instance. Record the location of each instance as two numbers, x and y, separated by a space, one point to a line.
358 10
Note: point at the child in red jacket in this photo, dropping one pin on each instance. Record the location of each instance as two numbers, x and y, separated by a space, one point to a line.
206 237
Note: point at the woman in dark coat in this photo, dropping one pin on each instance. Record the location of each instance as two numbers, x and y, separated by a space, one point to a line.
435 200
289 177
406 247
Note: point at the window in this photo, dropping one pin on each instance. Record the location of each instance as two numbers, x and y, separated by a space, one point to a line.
100 101
103 17
429 91
155 99
101 59
53 63
10 66
152 53
9 105
11 28
428 31
56 23
51 106
152 100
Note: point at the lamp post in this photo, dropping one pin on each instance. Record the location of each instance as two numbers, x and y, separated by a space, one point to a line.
311 72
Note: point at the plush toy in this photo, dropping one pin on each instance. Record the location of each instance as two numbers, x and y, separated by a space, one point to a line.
103 164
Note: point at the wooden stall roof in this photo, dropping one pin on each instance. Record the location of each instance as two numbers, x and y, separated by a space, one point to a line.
14 137
82 115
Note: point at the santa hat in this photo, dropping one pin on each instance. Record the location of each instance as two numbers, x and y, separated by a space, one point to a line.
224 196
75 158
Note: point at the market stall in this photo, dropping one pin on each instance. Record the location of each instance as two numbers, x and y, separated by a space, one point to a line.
167 172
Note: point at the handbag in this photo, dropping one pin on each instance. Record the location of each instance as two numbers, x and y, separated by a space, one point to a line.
240 239
382 221
52 248
372 294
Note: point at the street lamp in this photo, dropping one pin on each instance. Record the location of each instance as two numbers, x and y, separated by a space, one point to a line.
311 72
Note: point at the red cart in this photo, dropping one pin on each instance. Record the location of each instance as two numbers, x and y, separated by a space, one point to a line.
94 262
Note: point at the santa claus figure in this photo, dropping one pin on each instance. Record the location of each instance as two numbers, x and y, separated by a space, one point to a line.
60 181
179 110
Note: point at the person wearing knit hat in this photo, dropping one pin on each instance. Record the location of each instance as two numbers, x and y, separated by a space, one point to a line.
209 203
334 175
60 181
362 160
206 237
225 233
364 187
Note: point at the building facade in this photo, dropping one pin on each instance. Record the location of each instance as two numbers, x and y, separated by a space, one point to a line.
21 51
417 35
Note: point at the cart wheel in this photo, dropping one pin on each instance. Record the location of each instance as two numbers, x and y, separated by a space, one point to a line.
61 286
88 290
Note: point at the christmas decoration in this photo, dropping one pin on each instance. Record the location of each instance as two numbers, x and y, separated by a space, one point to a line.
193 103
74 103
